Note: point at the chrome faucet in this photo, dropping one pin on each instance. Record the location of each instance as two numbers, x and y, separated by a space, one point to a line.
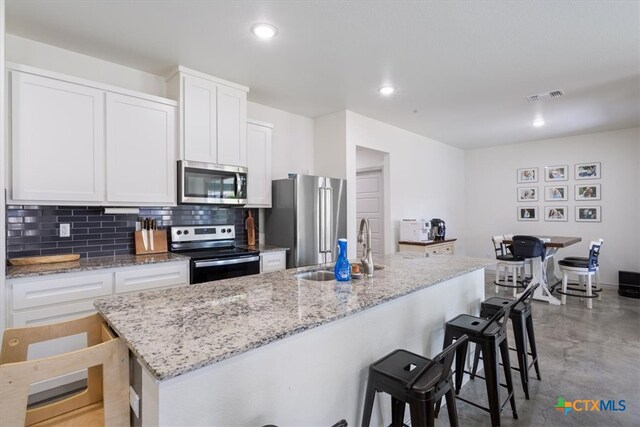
367 256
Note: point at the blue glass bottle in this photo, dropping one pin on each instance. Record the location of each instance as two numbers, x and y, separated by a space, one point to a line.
342 270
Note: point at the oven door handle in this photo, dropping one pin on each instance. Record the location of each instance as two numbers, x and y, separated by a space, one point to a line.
243 260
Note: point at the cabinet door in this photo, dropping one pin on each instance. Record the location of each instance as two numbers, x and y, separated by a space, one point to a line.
200 115
141 148
273 261
259 165
232 122
57 140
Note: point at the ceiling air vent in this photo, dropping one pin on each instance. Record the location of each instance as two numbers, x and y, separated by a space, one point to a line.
555 94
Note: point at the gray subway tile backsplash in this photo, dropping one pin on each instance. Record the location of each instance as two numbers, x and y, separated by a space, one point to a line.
34 230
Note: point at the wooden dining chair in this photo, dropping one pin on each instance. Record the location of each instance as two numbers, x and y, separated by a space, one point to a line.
105 400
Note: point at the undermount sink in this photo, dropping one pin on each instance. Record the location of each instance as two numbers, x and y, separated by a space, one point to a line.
318 276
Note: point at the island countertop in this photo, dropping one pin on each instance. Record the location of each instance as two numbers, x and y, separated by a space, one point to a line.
178 330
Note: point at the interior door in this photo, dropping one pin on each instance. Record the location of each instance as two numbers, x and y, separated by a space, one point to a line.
370 204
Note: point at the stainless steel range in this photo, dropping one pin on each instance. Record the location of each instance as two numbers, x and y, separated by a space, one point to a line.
213 252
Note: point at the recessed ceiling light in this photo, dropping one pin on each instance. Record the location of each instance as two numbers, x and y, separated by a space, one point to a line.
537 123
264 31
386 90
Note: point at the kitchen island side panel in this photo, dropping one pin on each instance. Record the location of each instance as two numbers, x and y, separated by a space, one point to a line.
317 377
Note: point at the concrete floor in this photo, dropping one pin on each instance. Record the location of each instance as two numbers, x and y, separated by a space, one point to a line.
583 354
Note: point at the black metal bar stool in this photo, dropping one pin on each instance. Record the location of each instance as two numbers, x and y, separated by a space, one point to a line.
491 336
416 380
522 322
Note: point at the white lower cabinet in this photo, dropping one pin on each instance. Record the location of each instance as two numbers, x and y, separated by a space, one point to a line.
55 298
273 261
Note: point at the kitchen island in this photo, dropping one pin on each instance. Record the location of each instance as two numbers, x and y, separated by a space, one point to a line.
278 349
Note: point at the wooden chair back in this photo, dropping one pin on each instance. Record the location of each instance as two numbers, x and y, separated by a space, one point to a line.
106 359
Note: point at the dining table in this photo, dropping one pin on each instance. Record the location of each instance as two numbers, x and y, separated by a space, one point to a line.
542 271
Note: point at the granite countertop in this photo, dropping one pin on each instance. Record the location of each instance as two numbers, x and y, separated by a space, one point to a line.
264 248
427 243
15 271
178 330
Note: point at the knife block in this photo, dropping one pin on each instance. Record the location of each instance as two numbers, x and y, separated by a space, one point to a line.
159 242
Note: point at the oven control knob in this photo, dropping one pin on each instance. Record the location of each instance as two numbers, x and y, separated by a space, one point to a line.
224 231
228 230
179 232
186 232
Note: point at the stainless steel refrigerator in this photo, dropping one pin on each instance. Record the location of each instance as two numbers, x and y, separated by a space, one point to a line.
308 215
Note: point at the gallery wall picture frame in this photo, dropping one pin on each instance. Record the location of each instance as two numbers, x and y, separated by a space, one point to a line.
527 194
556 193
527 213
587 192
527 175
588 214
556 173
556 213
591 170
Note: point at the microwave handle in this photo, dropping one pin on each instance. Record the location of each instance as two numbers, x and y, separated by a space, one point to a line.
238 186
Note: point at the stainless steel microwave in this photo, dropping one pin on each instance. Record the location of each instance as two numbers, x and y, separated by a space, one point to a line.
210 184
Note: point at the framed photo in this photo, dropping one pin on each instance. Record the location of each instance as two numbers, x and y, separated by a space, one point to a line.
528 194
588 170
556 193
588 214
556 213
556 173
527 213
527 175
587 192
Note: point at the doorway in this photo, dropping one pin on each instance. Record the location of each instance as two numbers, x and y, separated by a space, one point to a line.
370 197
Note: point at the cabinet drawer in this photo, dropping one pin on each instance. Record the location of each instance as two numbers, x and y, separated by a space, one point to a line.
273 261
43 292
151 277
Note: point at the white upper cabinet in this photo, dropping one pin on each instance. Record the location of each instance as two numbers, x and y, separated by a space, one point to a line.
232 122
57 140
200 112
212 118
76 141
141 145
259 164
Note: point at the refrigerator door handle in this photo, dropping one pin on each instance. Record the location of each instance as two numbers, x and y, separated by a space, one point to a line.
328 245
323 216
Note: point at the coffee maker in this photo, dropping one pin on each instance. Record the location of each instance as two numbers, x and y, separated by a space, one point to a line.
438 228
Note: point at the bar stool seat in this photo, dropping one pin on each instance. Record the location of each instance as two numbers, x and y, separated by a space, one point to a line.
415 380
522 323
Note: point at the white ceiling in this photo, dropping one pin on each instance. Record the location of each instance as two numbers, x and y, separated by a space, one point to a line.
462 69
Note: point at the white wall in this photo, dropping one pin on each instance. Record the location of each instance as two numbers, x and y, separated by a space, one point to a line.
330 139
491 196
52 58
426 178
367 158
292 136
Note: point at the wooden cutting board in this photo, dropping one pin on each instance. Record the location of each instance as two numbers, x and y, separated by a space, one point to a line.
48 259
